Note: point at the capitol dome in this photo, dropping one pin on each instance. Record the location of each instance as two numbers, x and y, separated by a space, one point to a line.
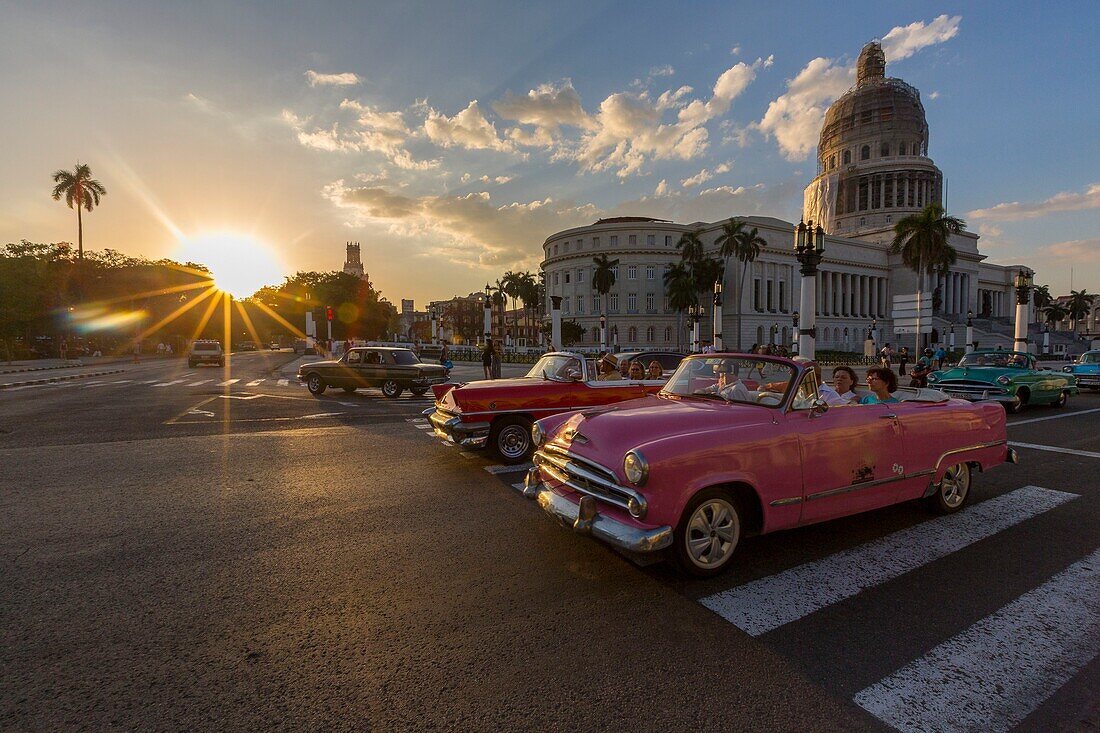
873 153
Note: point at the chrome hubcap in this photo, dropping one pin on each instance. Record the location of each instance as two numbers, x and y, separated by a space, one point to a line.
315 383
712 533
389 387
955 485
513 441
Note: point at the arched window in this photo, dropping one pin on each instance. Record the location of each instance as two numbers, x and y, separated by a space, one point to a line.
650 334
759 334
847 157
845 337
596 334
901 148
668 334
631 335
865 152
885 151
786 337
832 161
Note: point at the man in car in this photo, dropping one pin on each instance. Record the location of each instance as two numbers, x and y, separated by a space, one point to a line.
609 370
824 391
728 386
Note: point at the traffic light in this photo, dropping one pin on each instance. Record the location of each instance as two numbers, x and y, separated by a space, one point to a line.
328 312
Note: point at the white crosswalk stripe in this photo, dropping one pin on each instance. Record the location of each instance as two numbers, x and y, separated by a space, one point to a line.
766 604
283 382
995 673
201 381
169 384
228 382
255 382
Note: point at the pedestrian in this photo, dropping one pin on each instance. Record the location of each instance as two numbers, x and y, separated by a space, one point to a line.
487 358
886 355
498 357
347 345
941 357
63 350
903 359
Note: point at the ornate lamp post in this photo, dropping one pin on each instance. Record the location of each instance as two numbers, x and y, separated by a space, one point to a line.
794 334
603 333
952 337
969 331
434 313
488 314
695 312
718 314
809 247
1023 297
873 335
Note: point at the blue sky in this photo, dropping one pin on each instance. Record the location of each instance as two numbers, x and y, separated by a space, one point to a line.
306 125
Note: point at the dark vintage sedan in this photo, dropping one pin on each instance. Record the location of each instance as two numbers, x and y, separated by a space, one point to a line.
393 370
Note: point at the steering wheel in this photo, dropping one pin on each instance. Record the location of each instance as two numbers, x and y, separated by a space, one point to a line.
764 397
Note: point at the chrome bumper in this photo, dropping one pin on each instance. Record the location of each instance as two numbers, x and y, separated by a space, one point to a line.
975 395
453 430
428 381
584 518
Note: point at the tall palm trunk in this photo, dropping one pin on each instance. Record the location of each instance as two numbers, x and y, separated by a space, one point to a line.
740 300
79 234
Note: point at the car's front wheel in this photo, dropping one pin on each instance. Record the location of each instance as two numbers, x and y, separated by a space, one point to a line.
708 533
952 491
315 384
1061 401
1018 403
510 437
391 389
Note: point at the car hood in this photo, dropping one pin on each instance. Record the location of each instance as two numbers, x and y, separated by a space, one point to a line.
484 388
326 362
1085 368
978 374
613 430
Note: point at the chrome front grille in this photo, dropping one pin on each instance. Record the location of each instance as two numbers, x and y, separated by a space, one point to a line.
968 386
589 478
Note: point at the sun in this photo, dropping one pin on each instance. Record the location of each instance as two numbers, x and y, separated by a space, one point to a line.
240 264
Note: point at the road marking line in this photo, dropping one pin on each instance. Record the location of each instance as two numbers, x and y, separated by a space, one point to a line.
467 454
228 382
122 381
1055 449
201 381
254 382
150 381
997 672
766 604
85 385
169 384
518 487
416 419
200 412
240 397
283 383
508 469
1053 417
423 427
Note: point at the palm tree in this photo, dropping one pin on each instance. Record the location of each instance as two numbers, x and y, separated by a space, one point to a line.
1041 297
746 247
500 299
511 284
603 279
1079 304
529 294
691 246
682 294
922 241
81 191
1055 314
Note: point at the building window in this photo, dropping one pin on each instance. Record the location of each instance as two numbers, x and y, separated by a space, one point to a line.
668 240
631 335
667 307
863 193
889 218
580 304
865 152
756 295
595 242
614 241
631 302
596 303
632 240
555 249
631 272
832 161
596 334
567 245
555 278
782 297
650 334
885 151
847 157
650 272
771 303
615 272
651 239
580 274
613 302
580 244
668 334
901 148
565 306
567 274
863 221
650 303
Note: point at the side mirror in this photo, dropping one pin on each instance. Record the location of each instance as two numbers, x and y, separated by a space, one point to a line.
818 407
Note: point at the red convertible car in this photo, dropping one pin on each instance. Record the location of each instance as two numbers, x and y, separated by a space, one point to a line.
499 413
737 445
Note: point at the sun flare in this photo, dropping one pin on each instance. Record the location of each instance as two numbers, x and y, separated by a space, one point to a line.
240 264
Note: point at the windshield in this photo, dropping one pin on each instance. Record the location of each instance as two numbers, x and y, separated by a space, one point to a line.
558 367
1091 358
207 347
732 379
405 357
995 359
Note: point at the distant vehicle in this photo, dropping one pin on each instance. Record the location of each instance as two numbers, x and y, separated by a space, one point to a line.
1087 370
247 346
274 346
394 370
1009 377
206 351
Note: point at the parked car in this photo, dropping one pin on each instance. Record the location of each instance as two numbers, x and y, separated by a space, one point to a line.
668 360
499 413
205 351
1086 369
1009 377
393 370
694 469
247 346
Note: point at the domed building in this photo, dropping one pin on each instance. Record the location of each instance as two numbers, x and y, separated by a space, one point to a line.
873 170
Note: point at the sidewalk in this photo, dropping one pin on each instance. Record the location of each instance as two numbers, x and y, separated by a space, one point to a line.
32 365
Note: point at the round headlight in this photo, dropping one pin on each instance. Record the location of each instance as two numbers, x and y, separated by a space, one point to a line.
537 435
1067 369
1003 379
932 378
635 468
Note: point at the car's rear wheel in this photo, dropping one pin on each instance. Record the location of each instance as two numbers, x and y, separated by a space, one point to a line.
315 384
1017 404
349 390
952 491
391 389
1061 401
510 437
708 533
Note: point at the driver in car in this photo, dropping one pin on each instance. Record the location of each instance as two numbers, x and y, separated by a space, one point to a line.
728 386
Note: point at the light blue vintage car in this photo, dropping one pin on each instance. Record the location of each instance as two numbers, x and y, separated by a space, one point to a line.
1087 370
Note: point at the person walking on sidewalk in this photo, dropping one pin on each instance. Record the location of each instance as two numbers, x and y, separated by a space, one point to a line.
886 354
487 358
903 359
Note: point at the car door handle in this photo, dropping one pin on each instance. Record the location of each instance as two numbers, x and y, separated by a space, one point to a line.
888 417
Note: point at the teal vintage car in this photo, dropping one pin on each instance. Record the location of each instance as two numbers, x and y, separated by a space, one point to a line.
1009 377
1086 369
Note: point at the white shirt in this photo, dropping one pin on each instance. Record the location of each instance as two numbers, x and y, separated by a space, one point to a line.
831 396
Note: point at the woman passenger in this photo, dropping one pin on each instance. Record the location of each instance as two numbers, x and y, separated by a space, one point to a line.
637 371
655 371
881 383
844 382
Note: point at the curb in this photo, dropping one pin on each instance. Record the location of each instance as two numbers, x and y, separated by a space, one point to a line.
50 380
41 369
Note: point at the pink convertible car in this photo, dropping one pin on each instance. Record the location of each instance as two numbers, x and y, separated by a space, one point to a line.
737 445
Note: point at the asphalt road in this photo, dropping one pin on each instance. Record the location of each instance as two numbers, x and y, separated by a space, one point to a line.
184 553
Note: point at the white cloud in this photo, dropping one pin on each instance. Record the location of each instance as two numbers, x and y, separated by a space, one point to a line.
467 129
499 180
934 95
665 70
662 188
731 83
548 107
203 104
736 50
904 41
1065 201
1075 250
371 118
339 80
387 140
698 179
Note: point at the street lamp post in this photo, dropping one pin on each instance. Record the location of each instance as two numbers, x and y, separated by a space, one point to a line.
952 337
1023 297
488 314
718 314
794 339
695 311
809 248
603 333
969 331
874 331
435 323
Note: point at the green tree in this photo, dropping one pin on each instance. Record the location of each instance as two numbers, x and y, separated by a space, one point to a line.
529 295
923 241
746 246
691 245
81 191
1079 304
571 333
603 279
1041 297
1055 314
682 294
